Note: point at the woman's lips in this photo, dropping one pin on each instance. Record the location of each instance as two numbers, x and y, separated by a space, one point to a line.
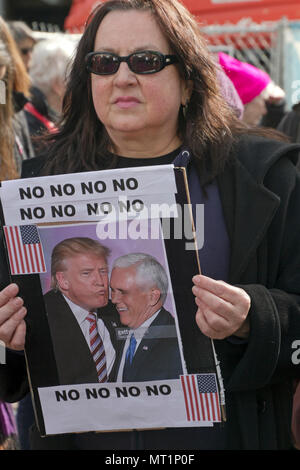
126 102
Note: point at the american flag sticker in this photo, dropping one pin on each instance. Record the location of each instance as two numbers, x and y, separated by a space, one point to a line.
25 251
201 397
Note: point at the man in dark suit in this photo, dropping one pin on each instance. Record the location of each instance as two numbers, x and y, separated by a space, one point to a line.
149 348
79 313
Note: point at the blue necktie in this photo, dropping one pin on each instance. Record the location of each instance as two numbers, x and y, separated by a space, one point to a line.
131 349
129 357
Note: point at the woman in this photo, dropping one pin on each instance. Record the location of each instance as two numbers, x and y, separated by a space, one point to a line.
165 106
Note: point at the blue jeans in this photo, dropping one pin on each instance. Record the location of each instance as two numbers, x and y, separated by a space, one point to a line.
24 419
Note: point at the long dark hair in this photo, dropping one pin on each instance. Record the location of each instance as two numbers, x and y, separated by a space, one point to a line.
210 124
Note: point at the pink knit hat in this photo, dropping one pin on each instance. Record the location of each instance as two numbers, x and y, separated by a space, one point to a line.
248 80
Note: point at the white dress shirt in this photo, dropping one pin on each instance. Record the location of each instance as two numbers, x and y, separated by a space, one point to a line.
80 314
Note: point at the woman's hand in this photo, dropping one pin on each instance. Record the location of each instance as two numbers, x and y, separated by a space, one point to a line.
222 309
12 313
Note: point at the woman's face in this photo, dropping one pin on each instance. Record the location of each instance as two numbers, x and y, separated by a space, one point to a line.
131 106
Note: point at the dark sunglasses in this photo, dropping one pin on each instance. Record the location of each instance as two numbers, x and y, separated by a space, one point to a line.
142 62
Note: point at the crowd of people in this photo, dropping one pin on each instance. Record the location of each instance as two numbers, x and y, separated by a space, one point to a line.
142 88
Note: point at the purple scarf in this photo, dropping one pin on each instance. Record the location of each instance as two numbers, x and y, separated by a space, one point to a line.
7 420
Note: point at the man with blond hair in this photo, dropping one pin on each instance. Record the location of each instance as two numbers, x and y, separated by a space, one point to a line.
79 312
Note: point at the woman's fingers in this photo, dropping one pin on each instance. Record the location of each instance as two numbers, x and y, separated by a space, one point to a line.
222 308
12 313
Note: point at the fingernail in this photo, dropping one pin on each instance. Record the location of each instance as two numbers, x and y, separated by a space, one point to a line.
12 289
18 302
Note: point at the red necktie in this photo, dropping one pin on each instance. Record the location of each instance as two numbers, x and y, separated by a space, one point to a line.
97 348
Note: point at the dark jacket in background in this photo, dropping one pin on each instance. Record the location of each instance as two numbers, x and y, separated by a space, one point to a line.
275 113
290 124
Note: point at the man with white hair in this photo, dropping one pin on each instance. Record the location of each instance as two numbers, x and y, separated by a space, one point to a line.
149 345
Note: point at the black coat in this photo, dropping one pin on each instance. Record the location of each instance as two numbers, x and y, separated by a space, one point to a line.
290 124
260 193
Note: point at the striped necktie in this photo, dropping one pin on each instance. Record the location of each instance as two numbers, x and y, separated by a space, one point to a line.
97 348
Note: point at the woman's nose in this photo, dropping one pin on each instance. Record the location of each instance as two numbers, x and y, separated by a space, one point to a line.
124 76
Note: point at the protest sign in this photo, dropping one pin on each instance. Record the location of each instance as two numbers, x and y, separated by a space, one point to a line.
96 361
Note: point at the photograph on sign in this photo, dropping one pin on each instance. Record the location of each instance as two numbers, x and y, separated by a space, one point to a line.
109 317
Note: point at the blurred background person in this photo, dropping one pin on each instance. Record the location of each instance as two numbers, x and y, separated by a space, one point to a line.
48 72
8 167
263 100
25 40
20 81
8 170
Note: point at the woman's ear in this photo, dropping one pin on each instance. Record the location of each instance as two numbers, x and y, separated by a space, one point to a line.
186 92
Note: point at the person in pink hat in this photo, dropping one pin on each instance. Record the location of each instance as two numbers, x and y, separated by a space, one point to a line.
254 86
